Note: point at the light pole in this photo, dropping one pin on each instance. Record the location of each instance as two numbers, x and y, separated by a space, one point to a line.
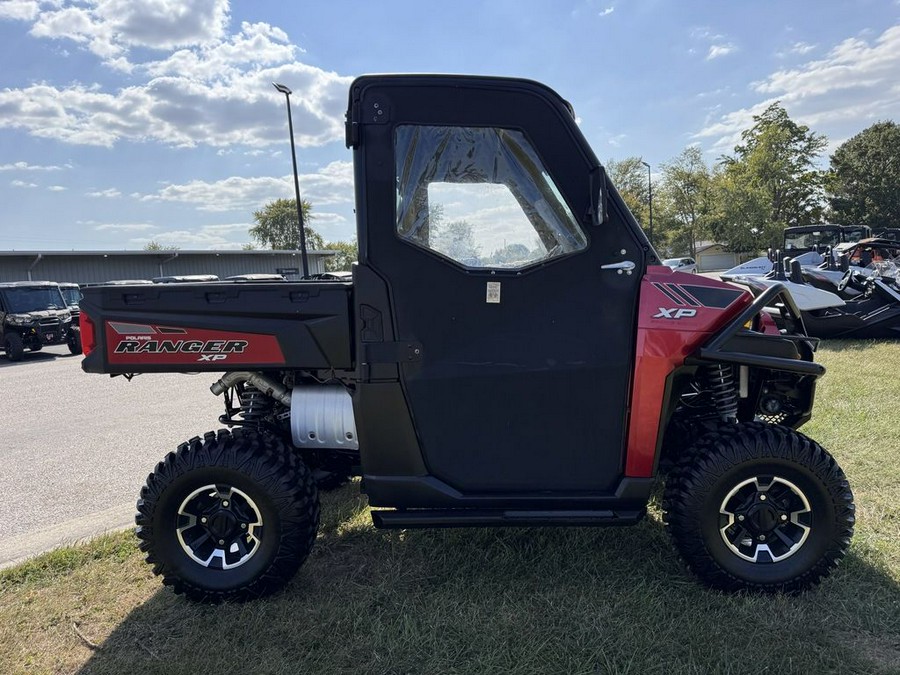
287 97
650 199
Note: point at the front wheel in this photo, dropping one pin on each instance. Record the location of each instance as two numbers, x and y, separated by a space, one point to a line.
231 516
759 507
15 348
74 341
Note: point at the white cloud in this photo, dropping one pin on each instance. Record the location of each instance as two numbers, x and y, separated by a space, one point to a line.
124 227
22 184
226 236
855 83
109 193
22 10
802 48
331 185
109 28
214 90
25 166
716 51
607 11
57 188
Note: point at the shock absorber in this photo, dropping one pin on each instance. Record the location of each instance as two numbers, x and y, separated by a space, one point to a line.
720 379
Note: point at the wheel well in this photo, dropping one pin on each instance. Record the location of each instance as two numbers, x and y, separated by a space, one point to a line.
702 397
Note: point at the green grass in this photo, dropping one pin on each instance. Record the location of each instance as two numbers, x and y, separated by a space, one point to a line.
496 601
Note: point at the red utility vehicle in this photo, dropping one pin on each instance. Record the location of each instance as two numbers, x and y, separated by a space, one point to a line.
508 352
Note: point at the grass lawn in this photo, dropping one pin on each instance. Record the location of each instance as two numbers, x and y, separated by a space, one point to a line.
496 601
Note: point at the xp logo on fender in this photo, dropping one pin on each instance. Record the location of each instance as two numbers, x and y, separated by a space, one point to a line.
675 313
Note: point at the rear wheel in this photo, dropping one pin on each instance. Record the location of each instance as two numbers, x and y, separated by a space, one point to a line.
230 516
759 507
15 348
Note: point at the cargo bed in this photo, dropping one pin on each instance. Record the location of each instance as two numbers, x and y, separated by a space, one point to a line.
216 326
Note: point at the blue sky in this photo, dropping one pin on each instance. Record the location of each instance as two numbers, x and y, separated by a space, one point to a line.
124 121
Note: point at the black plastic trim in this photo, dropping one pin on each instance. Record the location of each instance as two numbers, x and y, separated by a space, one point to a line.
714 349
432 518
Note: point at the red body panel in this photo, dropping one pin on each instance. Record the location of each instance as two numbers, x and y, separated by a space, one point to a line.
134 344
677 313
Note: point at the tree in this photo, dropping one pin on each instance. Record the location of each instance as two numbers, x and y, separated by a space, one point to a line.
864 181
456 240
347 254
277 226
629 176
686 202
154 245
771 182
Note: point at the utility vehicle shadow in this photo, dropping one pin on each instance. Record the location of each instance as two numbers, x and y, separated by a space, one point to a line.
36 357
514 600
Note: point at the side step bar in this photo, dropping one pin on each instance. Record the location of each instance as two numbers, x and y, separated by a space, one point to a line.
416 518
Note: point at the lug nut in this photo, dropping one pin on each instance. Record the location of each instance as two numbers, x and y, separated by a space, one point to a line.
243 526
762 537
784 516
741 518
225 504
762 498
204 519
221 542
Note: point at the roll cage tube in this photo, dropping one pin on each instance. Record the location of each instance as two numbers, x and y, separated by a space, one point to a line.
714 350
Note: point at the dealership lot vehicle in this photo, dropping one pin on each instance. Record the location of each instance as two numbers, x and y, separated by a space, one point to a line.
33 315
537 377
688 265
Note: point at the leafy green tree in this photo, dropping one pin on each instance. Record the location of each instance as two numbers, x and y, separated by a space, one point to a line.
277 226
685 201
771 182
456 240
629 176
864 181
154 245
511 253
347 254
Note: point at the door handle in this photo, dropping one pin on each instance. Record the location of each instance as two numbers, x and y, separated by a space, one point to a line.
625 266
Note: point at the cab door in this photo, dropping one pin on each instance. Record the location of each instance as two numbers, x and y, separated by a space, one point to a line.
475 199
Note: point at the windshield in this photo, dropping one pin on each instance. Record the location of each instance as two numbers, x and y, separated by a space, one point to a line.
72 295
34 299
672 262
855 233
808 240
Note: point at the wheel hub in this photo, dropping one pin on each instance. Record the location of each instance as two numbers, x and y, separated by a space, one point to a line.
765 519
762 518
219 526
222 525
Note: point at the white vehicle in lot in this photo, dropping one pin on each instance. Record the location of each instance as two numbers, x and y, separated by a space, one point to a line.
688 265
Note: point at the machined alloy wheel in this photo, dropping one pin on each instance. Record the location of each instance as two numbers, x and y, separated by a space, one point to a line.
765 519
230 516
759 507
219 526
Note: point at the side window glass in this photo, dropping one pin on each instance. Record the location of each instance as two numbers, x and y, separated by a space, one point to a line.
480 197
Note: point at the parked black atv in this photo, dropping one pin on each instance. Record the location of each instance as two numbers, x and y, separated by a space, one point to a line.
33 315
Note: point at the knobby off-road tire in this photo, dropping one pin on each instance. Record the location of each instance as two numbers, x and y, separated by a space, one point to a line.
15 348
74 341
231 516
759 507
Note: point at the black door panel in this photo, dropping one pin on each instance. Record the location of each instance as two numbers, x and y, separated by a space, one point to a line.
528 393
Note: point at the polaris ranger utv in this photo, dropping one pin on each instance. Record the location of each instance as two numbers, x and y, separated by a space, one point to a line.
33 315
508 352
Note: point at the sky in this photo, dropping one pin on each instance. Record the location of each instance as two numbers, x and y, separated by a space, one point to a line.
129 121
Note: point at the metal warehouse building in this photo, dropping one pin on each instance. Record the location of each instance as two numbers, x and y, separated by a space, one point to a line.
91 267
